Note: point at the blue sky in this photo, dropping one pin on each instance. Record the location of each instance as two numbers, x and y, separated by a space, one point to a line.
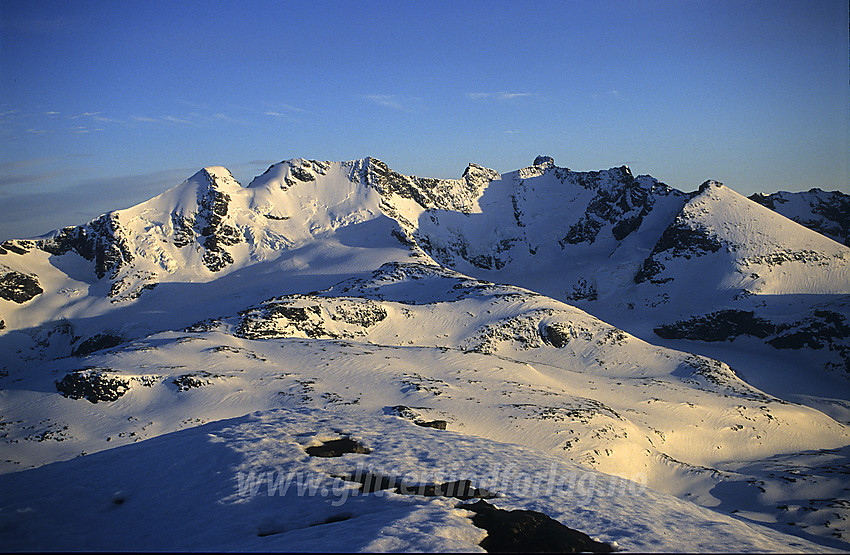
106 104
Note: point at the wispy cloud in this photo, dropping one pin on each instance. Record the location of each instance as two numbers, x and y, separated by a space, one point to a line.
612 94
259 162
145 119
281 107
83 115
29 179
228 119
397 102
278 115
172 119
163 119
106 119
27 211
10 115
498 95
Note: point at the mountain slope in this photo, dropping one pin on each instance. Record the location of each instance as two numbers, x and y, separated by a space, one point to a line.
827 212
350 288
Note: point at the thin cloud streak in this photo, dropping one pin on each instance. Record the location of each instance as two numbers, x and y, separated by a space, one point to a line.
498 95
396 102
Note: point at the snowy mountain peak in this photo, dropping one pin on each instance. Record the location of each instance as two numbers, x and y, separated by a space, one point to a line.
543 160
218 173
708 184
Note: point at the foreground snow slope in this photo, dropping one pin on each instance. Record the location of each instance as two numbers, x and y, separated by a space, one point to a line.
496 362
234 485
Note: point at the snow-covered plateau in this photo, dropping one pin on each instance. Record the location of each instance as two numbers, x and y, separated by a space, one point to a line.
594 351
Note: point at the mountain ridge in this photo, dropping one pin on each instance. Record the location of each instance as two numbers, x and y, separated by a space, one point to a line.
694 342
612 234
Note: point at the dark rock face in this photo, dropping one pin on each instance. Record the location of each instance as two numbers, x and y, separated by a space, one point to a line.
183 232
13 246
212 230
185 382
723 325
582 290
337 448
208 227
18 287
824 329
540 160
96 343
584 231
529 531
428 193
557 335
102 241
436 424
459 489
92 385
122 289
680 239
402 411
622 201
768 201
301 174
282 317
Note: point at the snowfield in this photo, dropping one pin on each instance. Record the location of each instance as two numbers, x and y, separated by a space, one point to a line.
663 371
246 484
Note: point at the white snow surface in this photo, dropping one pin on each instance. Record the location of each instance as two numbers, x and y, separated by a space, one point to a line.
249 322
234 485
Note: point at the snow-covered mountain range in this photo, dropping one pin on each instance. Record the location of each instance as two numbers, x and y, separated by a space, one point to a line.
695 345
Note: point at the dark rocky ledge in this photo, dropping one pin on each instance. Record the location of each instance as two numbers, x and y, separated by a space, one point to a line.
93 385
337 448
529 532
18 287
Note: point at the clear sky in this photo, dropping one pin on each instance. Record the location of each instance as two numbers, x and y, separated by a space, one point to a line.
106 104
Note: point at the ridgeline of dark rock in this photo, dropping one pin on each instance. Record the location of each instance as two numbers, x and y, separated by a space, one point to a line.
823 329
723 325
623 205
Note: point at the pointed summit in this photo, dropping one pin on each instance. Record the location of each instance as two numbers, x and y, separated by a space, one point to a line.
544 160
